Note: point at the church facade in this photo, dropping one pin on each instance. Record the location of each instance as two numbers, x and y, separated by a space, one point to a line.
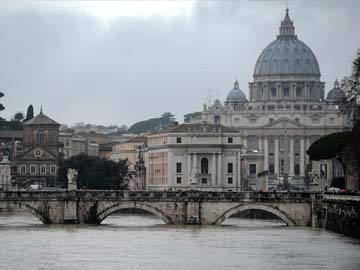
285 113
38 164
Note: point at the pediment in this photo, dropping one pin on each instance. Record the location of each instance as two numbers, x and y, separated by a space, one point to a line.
38 153
284 123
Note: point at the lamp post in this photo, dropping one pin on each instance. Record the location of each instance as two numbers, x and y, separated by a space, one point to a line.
241 174
140 167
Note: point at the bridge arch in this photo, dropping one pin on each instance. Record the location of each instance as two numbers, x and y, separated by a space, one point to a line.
240 208
32 209
143 206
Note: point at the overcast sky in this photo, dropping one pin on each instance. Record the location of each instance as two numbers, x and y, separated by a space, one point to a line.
120 62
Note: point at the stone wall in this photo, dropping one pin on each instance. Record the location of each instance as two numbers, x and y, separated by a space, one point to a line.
343 214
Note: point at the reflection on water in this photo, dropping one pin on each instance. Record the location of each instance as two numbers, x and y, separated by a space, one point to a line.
144 242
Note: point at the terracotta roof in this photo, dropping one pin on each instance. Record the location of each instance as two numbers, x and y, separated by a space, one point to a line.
137 139
41 119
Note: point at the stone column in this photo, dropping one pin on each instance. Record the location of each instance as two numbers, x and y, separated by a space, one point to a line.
302 157
291 167
293 91
260 148
238 173
188 167
278 91
219 172
266 154
276 155
195 161
213 170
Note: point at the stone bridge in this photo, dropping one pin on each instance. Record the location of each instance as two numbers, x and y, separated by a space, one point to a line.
173 207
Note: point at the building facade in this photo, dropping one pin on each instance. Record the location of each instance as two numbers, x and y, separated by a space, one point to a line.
285 113
73 145
194 156
5 174
129 150
38 164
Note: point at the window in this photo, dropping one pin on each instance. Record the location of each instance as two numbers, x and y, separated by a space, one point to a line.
43 169
204 165
178 180
178 140
53 169
230 140
54 136
271 120
230 180
273 92
252 171
23 169
297 120
286 91
297 169
271 168
32 169
230 168
204 181
178 167
40 136
298 91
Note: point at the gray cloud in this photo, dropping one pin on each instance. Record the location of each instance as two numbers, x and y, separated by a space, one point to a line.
137 68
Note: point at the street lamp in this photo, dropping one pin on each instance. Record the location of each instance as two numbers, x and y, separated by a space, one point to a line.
241 174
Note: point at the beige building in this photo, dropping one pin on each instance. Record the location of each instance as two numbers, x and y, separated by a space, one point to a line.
74 145
286 111
129 150
194 156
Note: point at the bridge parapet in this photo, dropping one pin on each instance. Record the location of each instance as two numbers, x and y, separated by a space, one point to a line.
161 195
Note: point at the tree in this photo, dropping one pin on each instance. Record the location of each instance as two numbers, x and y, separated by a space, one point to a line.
351 86
29 113
18 116
1 106
153 124
329 146
94 172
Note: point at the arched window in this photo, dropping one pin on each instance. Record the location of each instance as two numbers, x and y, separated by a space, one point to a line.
204 165
40 136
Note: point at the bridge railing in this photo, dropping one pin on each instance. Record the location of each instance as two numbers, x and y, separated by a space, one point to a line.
158 195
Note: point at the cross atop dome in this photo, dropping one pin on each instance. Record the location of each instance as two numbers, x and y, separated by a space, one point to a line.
287 28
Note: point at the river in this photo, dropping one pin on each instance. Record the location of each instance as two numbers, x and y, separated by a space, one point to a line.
143 242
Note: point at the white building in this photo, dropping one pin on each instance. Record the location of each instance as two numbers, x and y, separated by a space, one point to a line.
285 113
5 174
194 156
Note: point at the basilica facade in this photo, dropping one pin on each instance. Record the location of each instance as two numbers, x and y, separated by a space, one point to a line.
286 111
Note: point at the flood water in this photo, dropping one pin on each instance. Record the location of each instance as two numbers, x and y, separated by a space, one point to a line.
144 242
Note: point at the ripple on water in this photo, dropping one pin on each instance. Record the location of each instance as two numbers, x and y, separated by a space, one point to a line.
144 242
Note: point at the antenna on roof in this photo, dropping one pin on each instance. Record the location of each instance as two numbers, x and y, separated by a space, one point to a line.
210 91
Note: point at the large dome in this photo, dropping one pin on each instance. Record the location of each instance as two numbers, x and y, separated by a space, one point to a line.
287 55
236 94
